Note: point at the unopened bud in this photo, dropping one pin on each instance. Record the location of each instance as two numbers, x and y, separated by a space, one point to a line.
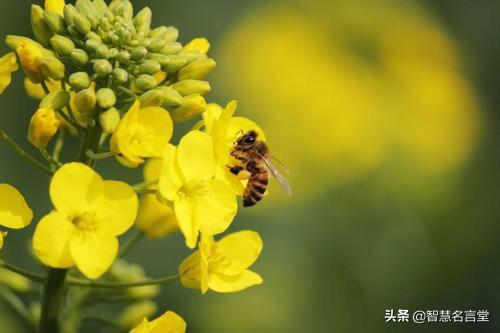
55 22
69 14
142 20
51 67
94 36
40 29
79 57
171 97
62 45
151 98
145 82
192 106
197 70
150 66
79 80
55 6
200 45
55 100
120 75
43 126
123 57
85 100
109 120
162 59
106 98
82 24
102 51
14 281
92 44
171 48
156 45
139 53
73 32
176 62
189 87
102 67
170 34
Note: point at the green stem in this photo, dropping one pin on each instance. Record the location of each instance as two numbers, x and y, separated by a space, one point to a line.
59 145
131 242
145 184
17 305
70 121
54 294
23 153
45 154
100 156
32 276
145 191
74 281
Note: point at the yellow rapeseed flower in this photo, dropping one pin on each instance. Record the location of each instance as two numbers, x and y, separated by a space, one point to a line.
88 215
35 90
43 126
225 130
169 322
8 64
30 56
154 218
200 202
14 211
56 6
142 133
222 266
201 45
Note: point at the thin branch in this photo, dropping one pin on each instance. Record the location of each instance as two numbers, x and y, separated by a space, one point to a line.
145 191
23 153
21 271
78 127
131 242
74 281
100 156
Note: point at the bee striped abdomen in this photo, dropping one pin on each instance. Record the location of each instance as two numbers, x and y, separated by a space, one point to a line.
256 187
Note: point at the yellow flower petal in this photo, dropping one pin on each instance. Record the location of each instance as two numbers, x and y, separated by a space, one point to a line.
183 208
14 211
211 114
93 253
170 178
155 219
239 125
152 170
195 156
117 209
8 64
228 284
56 6
201 45
190 272
215 212
74 188
169 322
51 239
241 249
2 236
35 90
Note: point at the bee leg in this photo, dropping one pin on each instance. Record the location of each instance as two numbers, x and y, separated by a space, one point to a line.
235 169
252 169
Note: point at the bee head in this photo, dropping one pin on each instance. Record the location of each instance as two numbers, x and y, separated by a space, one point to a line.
247 140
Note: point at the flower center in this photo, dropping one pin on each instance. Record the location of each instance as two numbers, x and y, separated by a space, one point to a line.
194 188
84 221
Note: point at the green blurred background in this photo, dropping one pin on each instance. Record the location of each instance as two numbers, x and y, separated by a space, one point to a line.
387 114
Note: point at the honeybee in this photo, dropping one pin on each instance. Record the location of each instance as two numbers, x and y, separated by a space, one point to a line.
254 163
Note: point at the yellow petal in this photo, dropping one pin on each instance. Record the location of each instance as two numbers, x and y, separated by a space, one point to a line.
14 211
184 208
222 147
195 156
241 248
2 236
201 45
74 188
51 239
152 170
155 219
170 177
239 125
117 209
169 322
93 253
229 284
215 211
8 64
56 6
210 116
190 272
35 90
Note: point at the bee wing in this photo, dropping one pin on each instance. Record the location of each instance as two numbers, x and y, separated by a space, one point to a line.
281 180
281 165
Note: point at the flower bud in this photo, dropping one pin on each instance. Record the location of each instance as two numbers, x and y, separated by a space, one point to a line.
123 57
191 56
55 100
176 62
82 24
171 98
105 24
55 6
69 14
94 36
62 45
170 34
156 45
189 87
191 106
171 48
109 120
55 22
51 67
14 281
145 82
102 51
151 98
198 69
106 98
79 80
102 67
142 20
30 56
43 126
92 44
120 75
150 66
200 45
86 100
139 53
162 59
40 29
79 57
73 32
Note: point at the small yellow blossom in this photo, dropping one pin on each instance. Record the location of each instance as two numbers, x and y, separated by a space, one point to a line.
222 266
155 219
200 202
201 45
30 56
142 133
14 211
43 126
56 6
225 130
35 90
88 215
169 322
8 64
